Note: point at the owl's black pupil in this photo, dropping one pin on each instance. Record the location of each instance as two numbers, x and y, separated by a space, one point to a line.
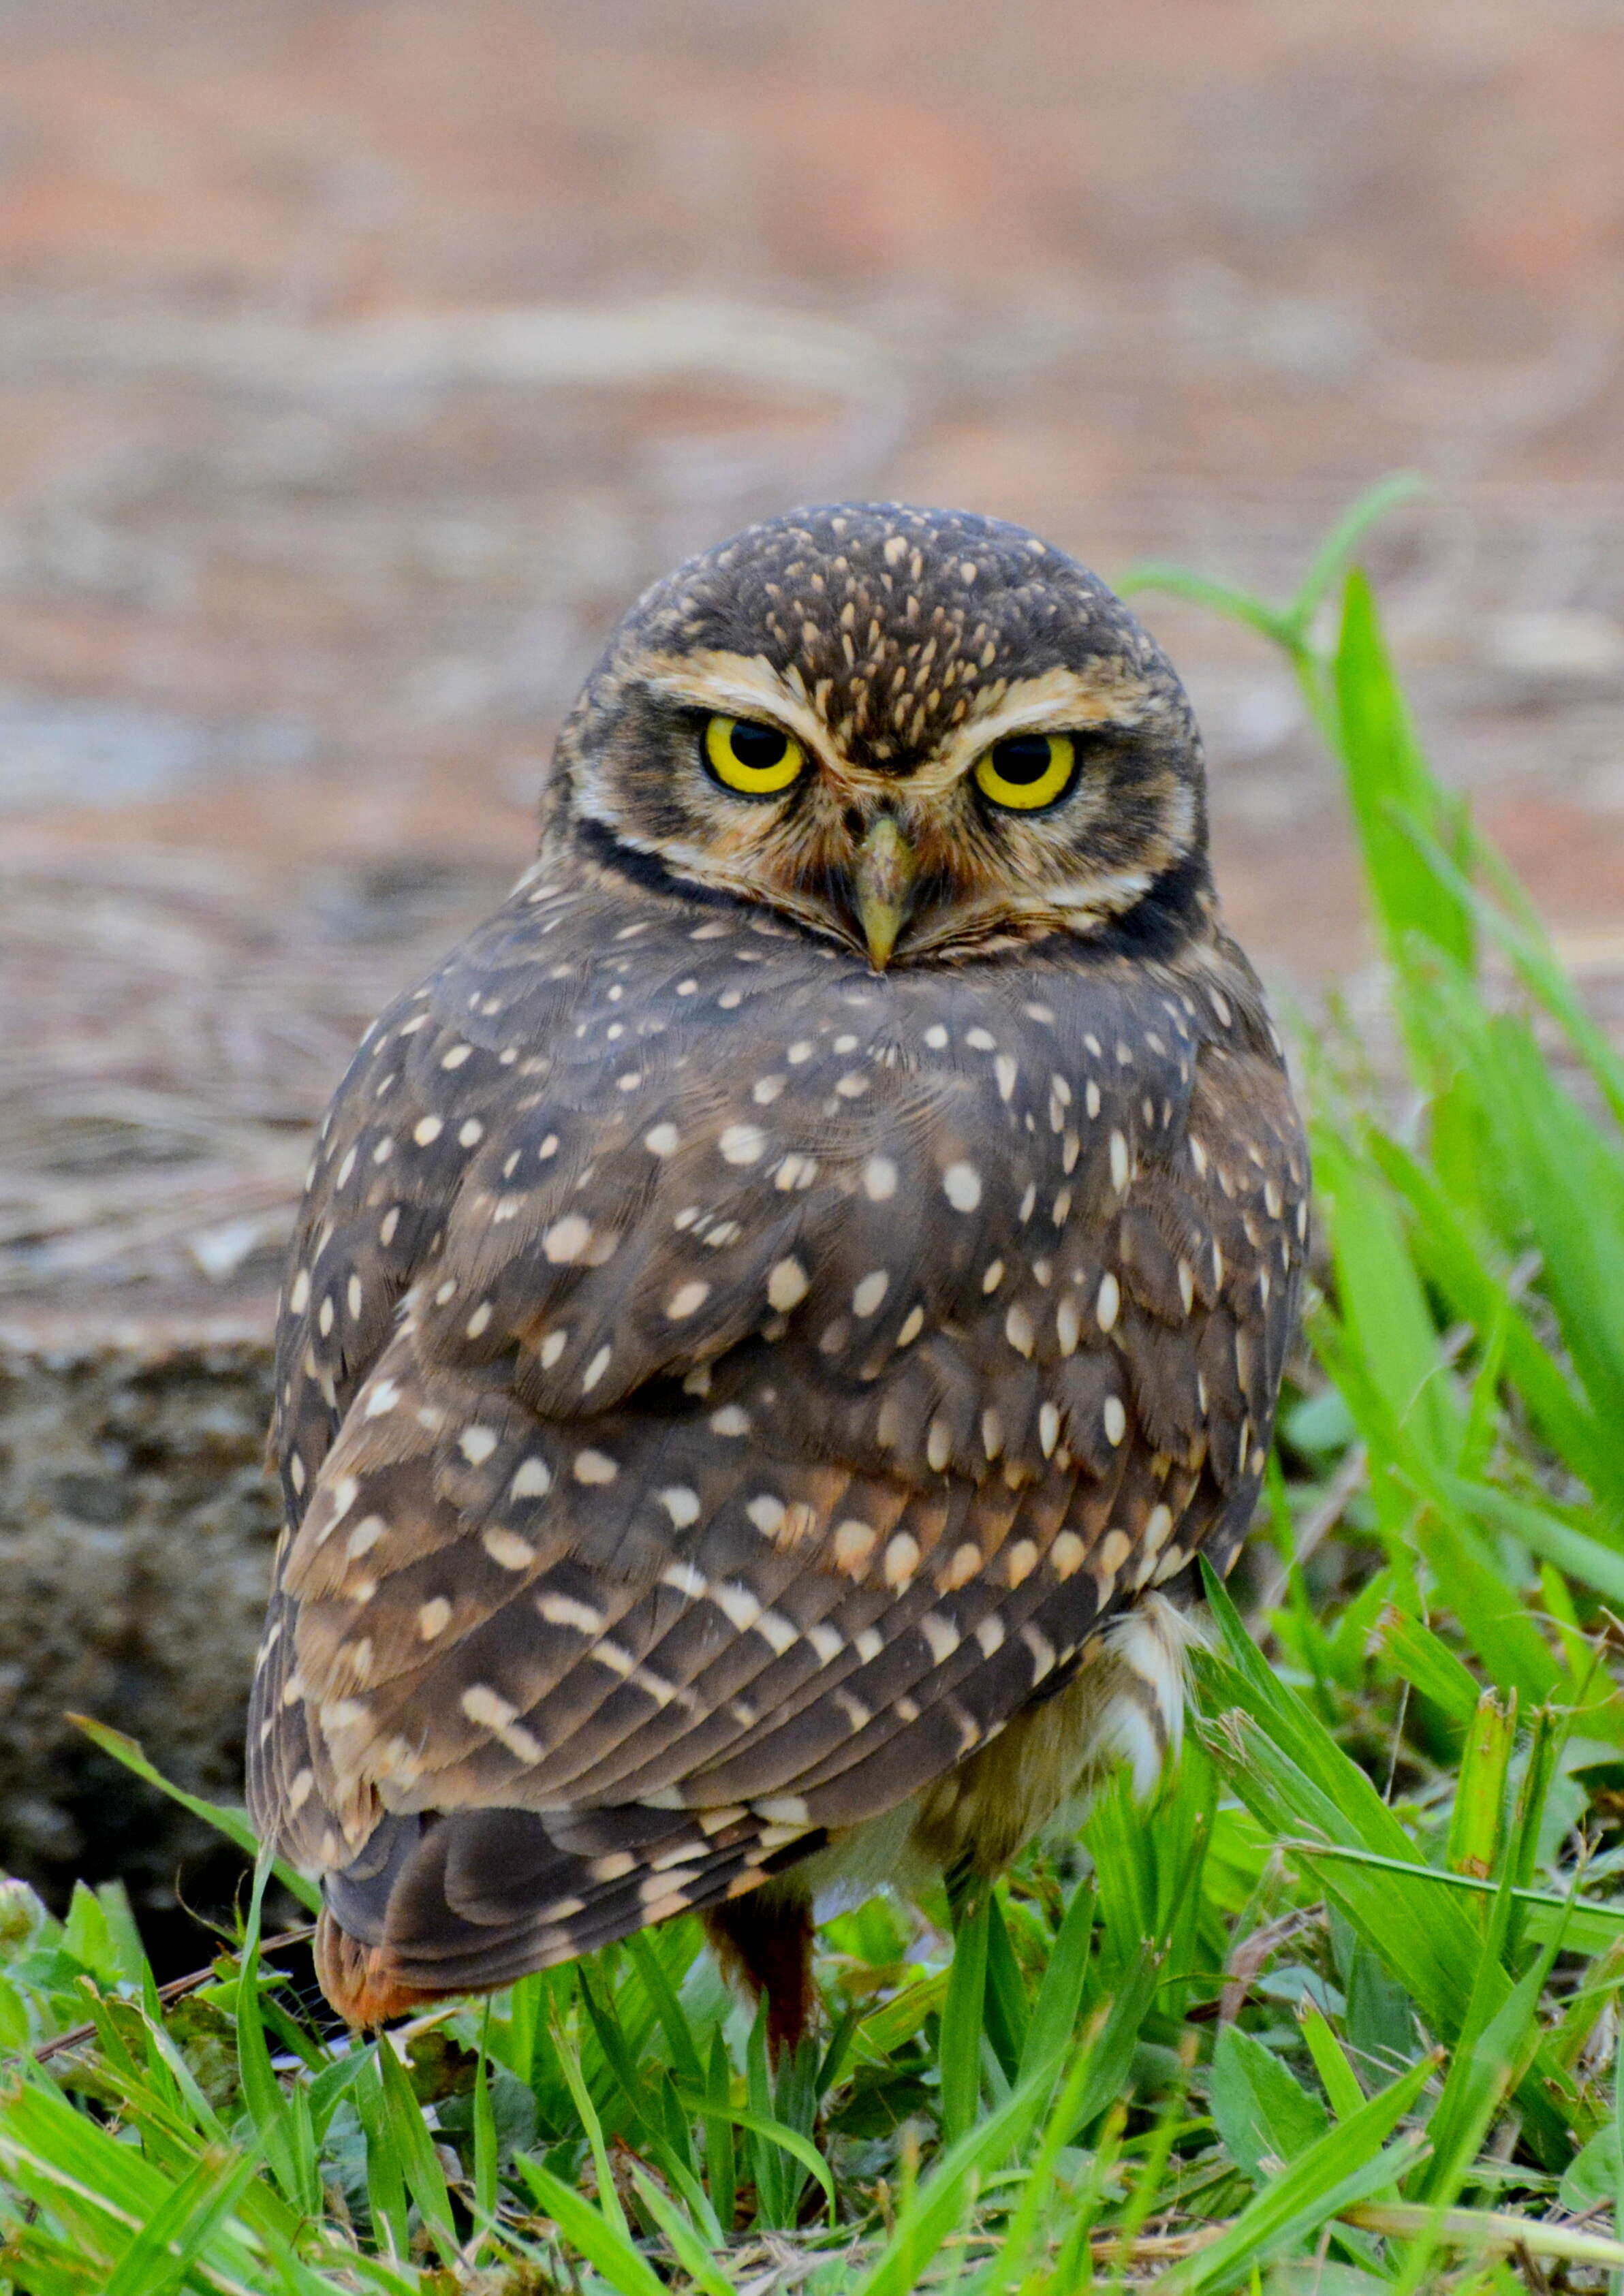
759 746
1024 758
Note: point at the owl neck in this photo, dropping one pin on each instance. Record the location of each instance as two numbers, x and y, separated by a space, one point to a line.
1177 911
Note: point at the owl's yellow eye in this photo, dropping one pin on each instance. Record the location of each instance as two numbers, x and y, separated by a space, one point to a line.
1028 771
754 761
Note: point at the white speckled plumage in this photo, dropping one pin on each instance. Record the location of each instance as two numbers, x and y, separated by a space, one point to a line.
773 1386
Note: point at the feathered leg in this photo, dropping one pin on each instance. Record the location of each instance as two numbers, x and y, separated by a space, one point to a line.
763 1940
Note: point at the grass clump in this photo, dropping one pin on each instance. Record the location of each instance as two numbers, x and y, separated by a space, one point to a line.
1336 2013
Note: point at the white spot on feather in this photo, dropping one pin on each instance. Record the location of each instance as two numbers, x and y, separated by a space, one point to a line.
962 1186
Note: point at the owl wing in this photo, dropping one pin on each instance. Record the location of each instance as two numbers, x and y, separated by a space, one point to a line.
705 1427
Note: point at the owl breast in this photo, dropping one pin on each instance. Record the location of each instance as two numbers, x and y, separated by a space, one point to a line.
717 1380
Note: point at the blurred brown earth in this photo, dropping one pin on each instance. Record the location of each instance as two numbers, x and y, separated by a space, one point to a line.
358 362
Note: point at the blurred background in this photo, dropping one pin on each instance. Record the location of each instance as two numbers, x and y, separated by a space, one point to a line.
361 359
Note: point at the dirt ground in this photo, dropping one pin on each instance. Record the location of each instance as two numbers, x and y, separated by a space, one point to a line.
360 359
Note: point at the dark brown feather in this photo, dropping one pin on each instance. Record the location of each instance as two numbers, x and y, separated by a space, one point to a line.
718 1388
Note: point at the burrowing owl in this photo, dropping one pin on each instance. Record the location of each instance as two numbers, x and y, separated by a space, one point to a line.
775 1314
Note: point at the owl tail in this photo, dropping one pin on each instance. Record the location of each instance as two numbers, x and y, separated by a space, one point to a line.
474 1900
359 1979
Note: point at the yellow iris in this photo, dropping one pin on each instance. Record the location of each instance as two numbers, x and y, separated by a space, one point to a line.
1028 771
753 759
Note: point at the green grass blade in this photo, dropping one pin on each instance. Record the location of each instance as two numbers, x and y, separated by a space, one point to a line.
1590 1928
1060 1998
1478 1820
1291 1774
1112 2057
284 2137
959 2050
1066 2115
1005 2007
619 2053
602 2240
420 2165
1427 1662
685 2245
569 2064
163 2254
1496 2045
720 2158
1327 566
773 2132
517 2045
231 1822
1387 783
1455 1258
1262 2110
1524 938
1234 605
123 1937
64 2161
332 2083
386 2188
1337 2077
773 2198
673 2017
935 2210
1346 2164
1487 1602
1569 1178
87 1935
485 2162
1383 1305
1331 1786
1544 1533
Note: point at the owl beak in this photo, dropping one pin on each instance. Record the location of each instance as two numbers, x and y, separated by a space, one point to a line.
882 882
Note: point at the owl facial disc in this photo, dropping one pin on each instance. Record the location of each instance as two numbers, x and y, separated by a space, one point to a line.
927 735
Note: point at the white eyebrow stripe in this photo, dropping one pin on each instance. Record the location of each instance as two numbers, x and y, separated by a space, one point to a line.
742 685
1056 701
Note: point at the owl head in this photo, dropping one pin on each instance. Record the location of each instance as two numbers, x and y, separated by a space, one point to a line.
926 736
